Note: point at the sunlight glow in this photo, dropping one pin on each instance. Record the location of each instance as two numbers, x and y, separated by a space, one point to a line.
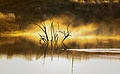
80 32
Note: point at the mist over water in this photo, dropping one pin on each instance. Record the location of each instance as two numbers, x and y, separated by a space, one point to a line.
93 46
19 15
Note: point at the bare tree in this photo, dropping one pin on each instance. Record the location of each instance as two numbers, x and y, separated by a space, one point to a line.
43 28
54 35
65 33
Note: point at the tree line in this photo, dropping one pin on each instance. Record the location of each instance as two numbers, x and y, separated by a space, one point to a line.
97 1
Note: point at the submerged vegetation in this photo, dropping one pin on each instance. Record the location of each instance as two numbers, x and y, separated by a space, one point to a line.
54 35
25 32
17 15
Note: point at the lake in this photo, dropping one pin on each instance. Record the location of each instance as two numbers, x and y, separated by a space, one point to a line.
59 36
22 56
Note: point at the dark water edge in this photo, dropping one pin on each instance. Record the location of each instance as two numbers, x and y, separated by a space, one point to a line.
26 43
15 46
23 55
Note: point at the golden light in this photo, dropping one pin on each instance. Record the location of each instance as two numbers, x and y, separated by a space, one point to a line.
82 32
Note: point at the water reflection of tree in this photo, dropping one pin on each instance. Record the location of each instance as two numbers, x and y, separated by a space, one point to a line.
29 49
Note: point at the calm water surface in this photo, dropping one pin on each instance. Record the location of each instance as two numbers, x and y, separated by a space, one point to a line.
59 65
21 56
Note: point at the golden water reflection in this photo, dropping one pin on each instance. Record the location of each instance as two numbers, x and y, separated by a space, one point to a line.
19 55
28 42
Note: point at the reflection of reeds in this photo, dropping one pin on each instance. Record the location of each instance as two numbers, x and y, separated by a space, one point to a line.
29 49
44 53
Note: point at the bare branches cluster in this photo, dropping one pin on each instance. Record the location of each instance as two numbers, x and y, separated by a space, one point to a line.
54 34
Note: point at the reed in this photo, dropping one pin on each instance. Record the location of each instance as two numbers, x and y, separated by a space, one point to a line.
54 35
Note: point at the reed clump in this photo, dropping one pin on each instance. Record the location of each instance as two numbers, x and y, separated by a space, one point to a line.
54 35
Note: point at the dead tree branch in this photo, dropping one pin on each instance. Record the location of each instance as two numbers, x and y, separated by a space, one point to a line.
43 28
